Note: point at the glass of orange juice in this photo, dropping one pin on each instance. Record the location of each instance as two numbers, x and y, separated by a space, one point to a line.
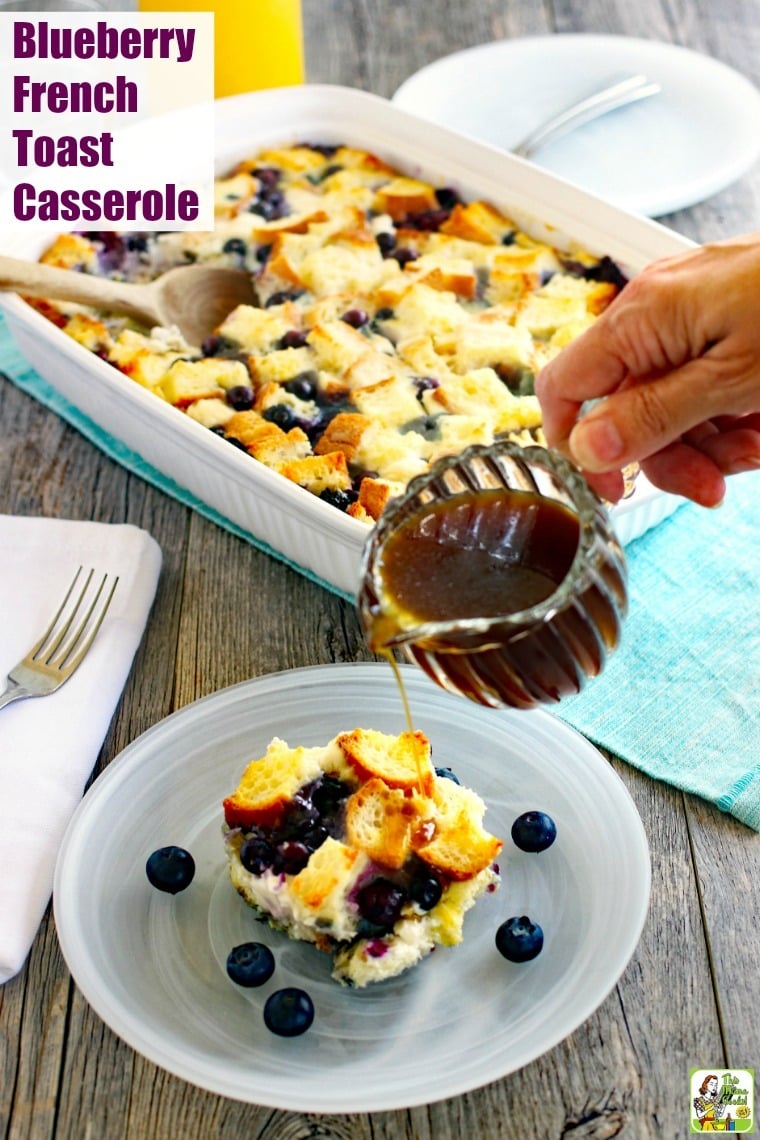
257 43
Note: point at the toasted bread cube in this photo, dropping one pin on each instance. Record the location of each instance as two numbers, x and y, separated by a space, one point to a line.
232 194
281 365
403 196
477 221
356 267
423 311
298 223
336 345
343 433
318 473
355 158
274 448
481 393
133 354
88 331
371 369
460 847
396 456
211 412
189 380
379 821
446 274
392 402
322 887
70 251
295 159
356 511
481 344
375 494
400 761
259 329
421 355
268 784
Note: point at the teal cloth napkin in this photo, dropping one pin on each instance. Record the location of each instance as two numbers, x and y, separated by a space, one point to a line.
680 699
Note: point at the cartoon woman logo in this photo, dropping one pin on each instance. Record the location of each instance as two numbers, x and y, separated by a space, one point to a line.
711 1112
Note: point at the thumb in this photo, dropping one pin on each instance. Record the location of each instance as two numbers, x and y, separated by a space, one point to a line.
642 419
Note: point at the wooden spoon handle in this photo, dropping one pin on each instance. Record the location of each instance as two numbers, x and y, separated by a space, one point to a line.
36 280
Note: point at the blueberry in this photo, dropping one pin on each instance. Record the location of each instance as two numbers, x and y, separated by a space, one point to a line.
281 297
240 397
288 1012
313 837
235 245
534 831
136 243
447 197
340 499
380 902
329 793
262 253
427 220
447 774
281 415
404 256
304 385
170 869
216 345
291 856
267 175
386 242
425 384
257 855
384 314
250 964
425 889
519 939
294 338
356 318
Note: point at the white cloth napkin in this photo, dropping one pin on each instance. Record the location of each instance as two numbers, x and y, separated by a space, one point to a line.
49 745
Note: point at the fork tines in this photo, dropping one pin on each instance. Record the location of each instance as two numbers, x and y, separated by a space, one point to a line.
73 628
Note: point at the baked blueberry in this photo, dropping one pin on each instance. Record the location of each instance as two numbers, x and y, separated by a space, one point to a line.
425 889
281 415
288 1012
250 964
170 869
380 902
240 397
519 939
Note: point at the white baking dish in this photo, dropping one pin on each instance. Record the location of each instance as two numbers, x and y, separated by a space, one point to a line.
280 516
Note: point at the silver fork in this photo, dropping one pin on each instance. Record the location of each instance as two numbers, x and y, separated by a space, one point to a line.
64 644
609 98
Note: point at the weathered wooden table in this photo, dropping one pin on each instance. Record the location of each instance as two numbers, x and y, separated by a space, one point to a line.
225 612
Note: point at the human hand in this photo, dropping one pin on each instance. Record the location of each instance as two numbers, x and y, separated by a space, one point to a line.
675 364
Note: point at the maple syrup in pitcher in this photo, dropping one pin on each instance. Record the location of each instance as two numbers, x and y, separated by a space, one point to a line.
499 574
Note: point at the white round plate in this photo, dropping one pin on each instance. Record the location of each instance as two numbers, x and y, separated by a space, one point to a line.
153 965
661 154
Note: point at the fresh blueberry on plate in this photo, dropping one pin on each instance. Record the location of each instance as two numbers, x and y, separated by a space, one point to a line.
519 939
534 831
250 964
170 869
288 1012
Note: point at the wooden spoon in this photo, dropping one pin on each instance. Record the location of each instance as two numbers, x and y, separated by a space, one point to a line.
195 298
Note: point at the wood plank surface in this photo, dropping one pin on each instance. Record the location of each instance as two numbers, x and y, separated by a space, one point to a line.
225 612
